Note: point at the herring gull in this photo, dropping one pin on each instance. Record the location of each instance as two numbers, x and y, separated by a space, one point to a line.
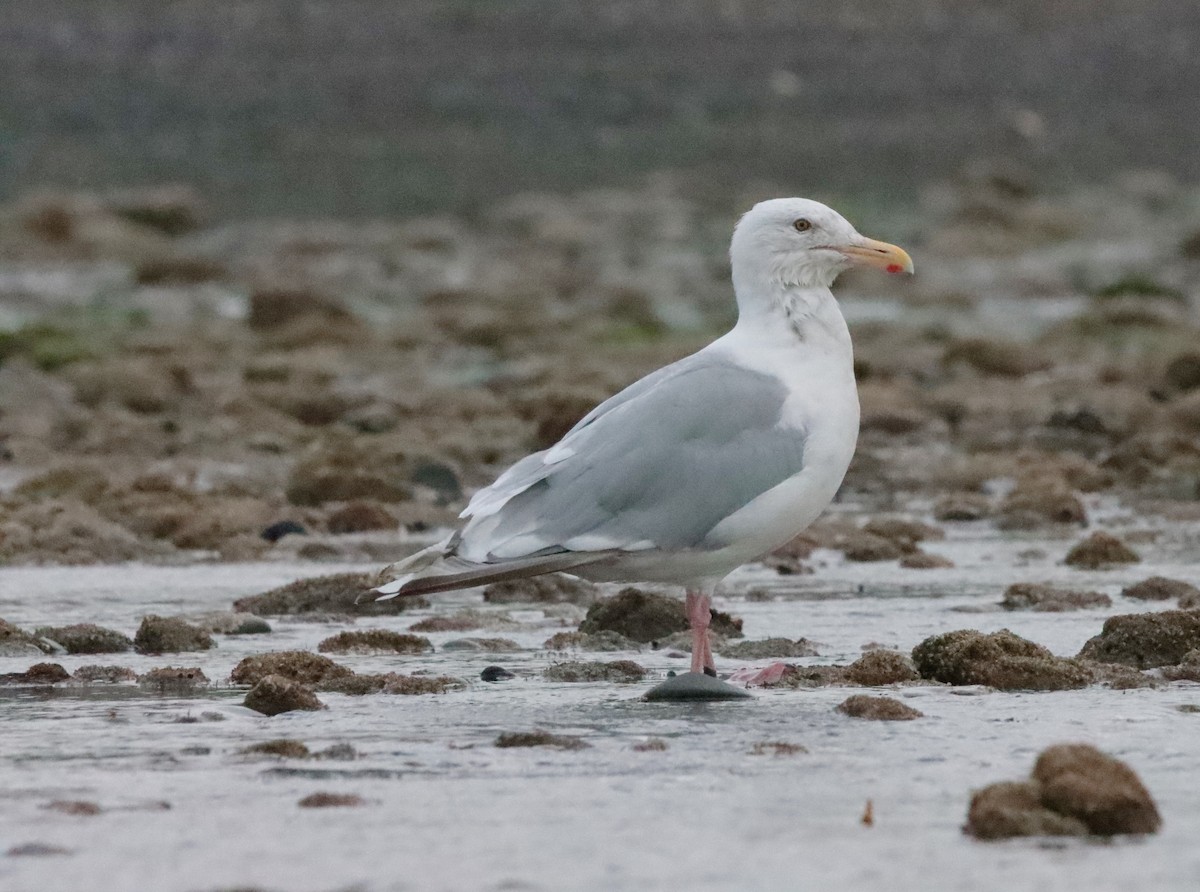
703 465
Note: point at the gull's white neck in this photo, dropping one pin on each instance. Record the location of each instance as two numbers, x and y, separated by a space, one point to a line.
777 314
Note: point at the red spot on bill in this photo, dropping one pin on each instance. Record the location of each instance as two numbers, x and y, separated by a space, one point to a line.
895 268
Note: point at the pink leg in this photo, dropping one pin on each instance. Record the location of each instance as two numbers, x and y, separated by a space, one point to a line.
699 615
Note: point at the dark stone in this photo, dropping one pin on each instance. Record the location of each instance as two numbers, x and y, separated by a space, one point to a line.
695 686
174 680
496 673
636 614
769 648
1010 809
338 594
281 528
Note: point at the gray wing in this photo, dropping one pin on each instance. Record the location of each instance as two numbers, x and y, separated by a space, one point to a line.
656 466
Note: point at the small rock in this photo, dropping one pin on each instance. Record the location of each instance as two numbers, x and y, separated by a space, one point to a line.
904 532
276 694
1000 660
653 745
1047 599
636 614
482 645
339 752
228 622
882 667
79 807
1183 372
464 621
600 642
647 616
1100 549
965 506
1009 809
281 528
1187 670
86 638
38 673
173 680
550 588
295 665
1159 588
340 594
496 673
769 648
159 635
375 641
866 547
16 643
1079 781
332 800
777 748
111 674
540 738
807 677
360 517
1145 640
923 560
35 850
285 748
420 684
886 709
1028 507
619 671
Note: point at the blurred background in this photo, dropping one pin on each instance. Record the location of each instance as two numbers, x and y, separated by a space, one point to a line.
336 263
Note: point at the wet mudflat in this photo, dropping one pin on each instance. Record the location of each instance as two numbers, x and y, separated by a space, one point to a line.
761 794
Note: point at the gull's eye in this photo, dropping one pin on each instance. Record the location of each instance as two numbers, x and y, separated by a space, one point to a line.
802 225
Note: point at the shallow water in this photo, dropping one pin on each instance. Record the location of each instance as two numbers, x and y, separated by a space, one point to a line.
446 810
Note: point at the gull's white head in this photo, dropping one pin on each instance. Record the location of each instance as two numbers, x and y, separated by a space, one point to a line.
797 242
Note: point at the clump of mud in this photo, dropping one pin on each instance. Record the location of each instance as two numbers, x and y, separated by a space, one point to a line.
619 671
295 665
86 638
883 709
1048 599
1075 790
482 645
162 635
341 594
1000 660
1100 549
540 738
882 667
1145 640
275 694
375 641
